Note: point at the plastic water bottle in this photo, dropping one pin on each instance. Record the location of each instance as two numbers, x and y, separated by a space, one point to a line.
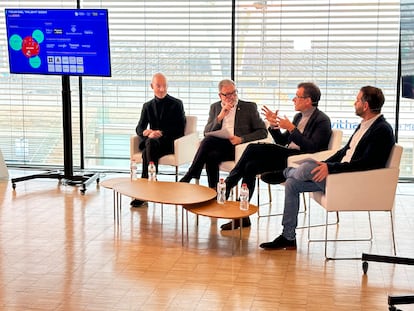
152 171
133 170
244 198
221 191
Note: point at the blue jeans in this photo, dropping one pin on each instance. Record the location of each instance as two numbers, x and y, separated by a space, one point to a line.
298 180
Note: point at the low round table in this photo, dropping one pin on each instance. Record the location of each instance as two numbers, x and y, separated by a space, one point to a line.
228 210
164 192
167 192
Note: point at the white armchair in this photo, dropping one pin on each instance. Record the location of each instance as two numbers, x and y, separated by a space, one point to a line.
334 144
368 191
185 147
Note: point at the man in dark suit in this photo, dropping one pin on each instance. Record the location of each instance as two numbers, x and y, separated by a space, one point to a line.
368 148
162 121
239 119
309 132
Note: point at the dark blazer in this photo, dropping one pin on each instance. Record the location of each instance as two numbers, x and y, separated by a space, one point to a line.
170 118
372 151
315 136
247 124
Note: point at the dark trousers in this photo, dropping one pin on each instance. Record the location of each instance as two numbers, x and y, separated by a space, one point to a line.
154 149
211 153
256 159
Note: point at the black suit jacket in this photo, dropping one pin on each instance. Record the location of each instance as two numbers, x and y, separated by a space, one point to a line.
372 151
170 119
315 136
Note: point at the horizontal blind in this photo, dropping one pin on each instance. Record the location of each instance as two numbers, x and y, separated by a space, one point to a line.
340 45
189 41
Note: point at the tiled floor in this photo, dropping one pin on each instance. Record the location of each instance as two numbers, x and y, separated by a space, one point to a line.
61 250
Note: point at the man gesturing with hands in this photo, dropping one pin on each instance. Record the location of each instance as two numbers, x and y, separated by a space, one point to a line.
368 148
309 132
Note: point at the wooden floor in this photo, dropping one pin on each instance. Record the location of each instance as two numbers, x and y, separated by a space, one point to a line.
61 250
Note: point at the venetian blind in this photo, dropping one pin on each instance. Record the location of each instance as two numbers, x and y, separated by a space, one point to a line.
340 45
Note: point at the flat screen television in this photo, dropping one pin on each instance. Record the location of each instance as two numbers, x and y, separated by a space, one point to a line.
407 47
58 42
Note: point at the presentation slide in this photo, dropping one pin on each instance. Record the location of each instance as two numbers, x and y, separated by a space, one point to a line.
58 41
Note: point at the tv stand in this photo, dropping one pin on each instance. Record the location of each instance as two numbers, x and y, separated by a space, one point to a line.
67 176
82 180
392 300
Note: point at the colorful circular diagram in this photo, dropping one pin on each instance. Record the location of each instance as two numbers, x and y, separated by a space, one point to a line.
29 46
15 42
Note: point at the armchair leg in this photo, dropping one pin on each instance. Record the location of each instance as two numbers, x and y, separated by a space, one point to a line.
309 226
304 201
269 193
326 244
270 201
326 240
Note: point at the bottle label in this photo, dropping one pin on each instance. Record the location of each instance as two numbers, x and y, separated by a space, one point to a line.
221 193
133 172
244 199
152 173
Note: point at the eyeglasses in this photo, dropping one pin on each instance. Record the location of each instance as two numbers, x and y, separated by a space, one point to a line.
229 94
300 97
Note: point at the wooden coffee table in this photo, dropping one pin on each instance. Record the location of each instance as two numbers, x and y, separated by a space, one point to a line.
166 192
163 192
228 210
194 198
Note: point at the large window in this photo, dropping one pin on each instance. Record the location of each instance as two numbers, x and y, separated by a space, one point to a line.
340 45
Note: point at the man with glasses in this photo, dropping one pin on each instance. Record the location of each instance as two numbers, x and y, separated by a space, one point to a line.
309 132
231 121
368 148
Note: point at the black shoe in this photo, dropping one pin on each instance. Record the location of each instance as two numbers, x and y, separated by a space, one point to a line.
279 243
245 221
186 178
273 177
137 203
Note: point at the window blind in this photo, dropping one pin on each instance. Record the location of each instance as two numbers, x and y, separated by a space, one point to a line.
339 45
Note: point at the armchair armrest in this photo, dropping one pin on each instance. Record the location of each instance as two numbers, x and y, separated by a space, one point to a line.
372 190
186 147
318 156
134 147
